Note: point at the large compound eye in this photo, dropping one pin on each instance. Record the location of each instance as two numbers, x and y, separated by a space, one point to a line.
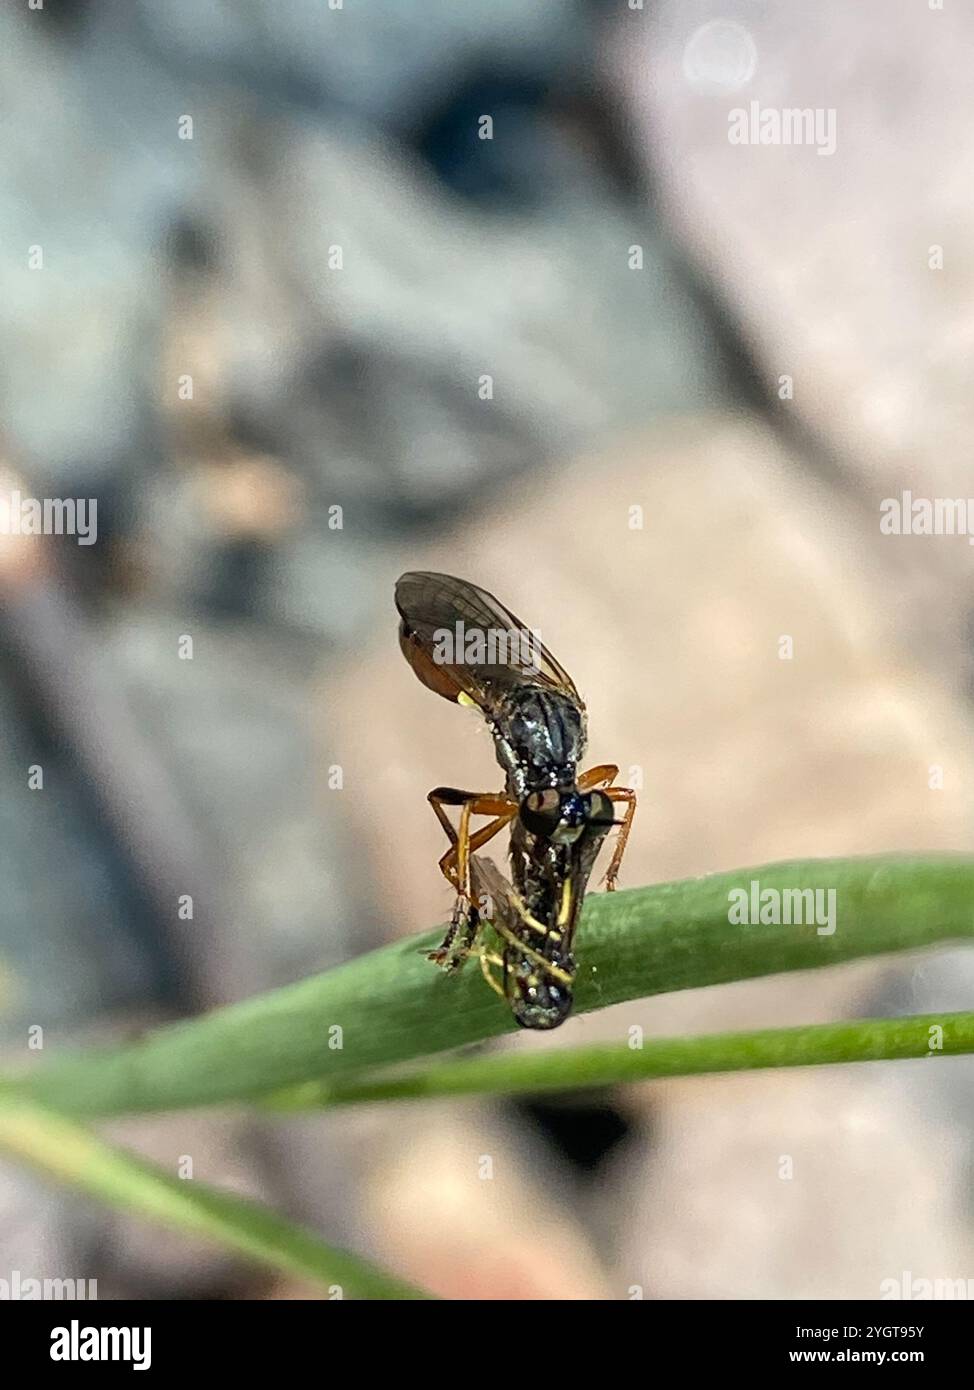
540 812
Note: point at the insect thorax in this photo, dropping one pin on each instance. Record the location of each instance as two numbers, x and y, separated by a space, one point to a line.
539 736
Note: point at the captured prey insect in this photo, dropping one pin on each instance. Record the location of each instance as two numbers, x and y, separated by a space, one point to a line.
469 648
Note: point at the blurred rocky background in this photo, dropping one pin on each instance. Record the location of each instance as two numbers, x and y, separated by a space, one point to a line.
276 264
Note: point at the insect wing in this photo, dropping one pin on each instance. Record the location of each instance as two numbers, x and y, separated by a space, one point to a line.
489 883
460 640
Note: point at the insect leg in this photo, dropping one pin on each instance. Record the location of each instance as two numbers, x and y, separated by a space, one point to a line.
627 795
487 959
595 777
455 864
460 936
522 949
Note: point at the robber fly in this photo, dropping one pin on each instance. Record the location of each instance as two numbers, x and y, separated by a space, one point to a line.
465 645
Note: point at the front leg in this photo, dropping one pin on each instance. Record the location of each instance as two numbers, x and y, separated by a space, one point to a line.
455 864
627 795
601 776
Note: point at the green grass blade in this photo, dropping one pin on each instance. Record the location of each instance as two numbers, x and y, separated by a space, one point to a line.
393 1006
604 1064
65 1151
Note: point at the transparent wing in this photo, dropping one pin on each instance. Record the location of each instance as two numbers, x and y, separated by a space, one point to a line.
437 609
